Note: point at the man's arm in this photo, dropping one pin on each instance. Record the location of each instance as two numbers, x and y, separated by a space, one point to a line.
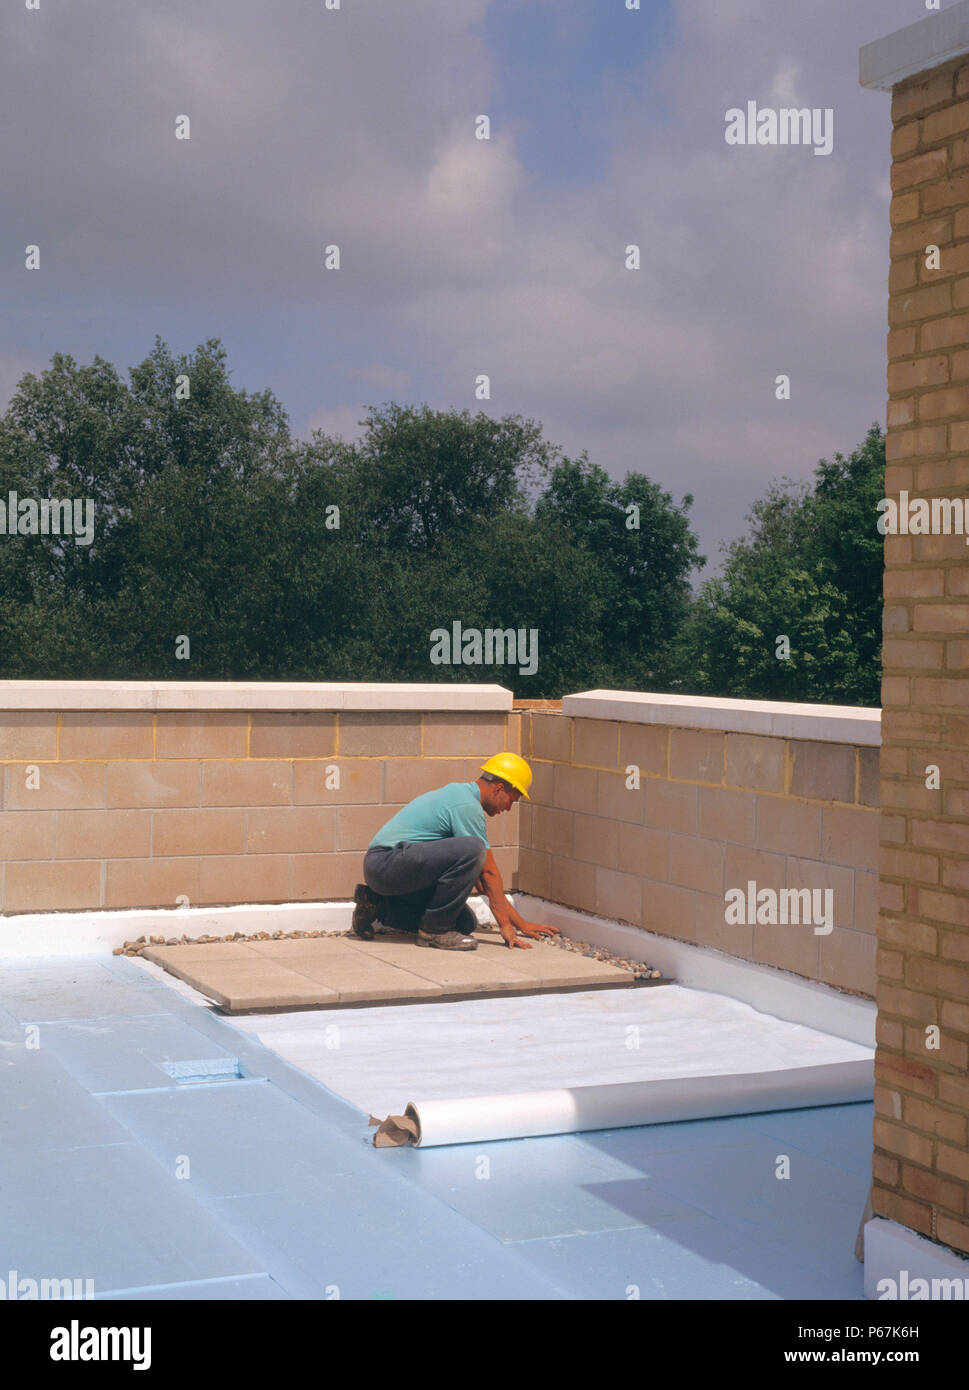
509 921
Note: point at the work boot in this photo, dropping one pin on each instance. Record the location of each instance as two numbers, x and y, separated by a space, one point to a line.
446 940
365 913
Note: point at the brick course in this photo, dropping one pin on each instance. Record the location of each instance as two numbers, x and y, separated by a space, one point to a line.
921 1168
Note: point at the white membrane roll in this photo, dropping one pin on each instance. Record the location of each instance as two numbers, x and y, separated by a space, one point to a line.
622 1104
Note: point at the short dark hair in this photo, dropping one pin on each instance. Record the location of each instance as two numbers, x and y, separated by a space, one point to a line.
490 777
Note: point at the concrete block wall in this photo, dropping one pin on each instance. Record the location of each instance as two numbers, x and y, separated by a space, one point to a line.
716 808
126 807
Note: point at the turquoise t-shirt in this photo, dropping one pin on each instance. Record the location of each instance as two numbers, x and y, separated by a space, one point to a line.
451 810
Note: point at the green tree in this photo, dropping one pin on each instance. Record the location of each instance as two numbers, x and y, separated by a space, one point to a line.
186 495
811 571
641 572
211 523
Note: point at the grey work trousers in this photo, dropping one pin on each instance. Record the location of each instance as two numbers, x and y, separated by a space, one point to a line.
428 881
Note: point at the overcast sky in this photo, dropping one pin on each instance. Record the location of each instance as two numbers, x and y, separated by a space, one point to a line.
463 256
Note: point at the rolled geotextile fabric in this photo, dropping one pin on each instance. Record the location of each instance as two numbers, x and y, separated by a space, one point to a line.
617 1106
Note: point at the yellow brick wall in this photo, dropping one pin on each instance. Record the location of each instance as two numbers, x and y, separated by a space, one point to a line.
921 1168
130 809
713 811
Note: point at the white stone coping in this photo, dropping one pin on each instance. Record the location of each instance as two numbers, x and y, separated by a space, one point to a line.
248 695
919 47
816 723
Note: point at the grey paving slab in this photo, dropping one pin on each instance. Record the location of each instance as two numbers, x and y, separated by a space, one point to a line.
457 972
557 966
128 1054
203 950
323 971
541 965
294 973
257 984
111 1214
359 981
349 966
322 948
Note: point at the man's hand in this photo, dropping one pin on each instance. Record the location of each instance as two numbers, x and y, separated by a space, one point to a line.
536 929
512 939
510 923
532 929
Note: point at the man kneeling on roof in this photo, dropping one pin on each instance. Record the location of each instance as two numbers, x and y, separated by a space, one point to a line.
421 867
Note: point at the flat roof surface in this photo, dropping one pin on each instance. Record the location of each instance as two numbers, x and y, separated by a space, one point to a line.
156 1148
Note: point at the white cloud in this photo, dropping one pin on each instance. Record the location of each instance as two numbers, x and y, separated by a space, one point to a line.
357 127
784 87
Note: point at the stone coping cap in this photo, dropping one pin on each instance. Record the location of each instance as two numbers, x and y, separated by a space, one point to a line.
247 695
819 723
919 47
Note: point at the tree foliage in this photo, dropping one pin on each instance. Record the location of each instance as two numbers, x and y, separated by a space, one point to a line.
211 525
810 570
214 524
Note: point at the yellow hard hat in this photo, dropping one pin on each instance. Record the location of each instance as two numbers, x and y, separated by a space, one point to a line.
512 769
